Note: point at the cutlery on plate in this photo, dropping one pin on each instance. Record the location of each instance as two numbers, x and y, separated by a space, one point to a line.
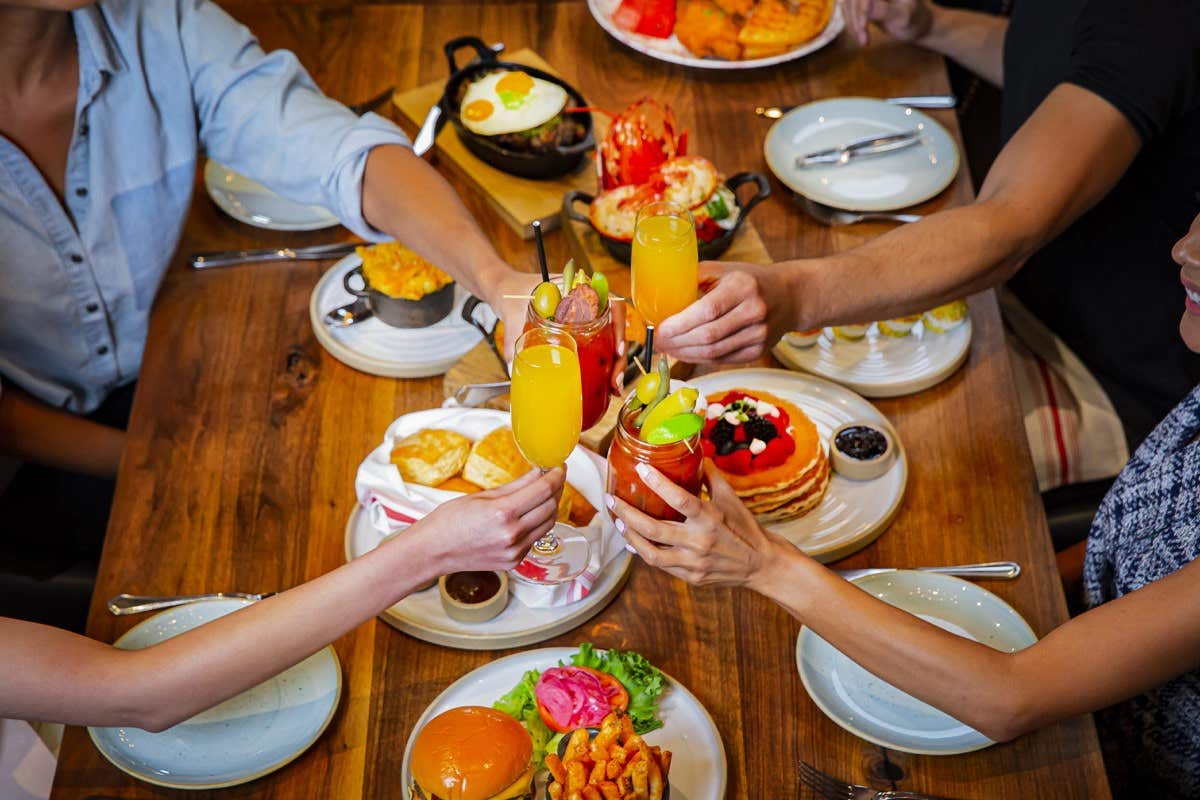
375 102
1002 570
476 394
349 314
916 101
125 604
423 142
875 145
224 258
837 216
830 788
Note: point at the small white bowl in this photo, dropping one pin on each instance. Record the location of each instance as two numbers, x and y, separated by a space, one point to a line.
859 469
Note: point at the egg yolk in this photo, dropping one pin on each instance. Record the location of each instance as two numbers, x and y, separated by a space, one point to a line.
516 83
478 110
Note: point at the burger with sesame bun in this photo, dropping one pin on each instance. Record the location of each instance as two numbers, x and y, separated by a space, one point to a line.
472 753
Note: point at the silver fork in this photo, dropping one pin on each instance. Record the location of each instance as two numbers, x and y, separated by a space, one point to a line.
830 788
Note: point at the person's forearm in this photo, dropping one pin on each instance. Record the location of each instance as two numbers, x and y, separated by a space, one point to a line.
967 680
973 39
32 431
407 199
59 676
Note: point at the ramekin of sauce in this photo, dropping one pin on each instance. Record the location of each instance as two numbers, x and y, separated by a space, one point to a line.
862 451
473 596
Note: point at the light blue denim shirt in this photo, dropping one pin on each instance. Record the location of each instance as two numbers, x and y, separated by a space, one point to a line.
159 82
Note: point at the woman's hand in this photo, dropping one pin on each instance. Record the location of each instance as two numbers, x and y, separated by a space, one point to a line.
746 311
905 20
719 544
491 530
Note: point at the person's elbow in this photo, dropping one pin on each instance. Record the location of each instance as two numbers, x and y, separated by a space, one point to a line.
1009 713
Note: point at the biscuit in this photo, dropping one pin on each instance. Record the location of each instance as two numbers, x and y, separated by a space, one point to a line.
573 507
431 456
495 460
458 484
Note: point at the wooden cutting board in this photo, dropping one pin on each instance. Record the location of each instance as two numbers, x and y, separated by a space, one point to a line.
518 201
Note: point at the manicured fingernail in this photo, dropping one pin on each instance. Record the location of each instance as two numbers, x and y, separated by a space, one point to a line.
620 525
629 547
643 471
610 501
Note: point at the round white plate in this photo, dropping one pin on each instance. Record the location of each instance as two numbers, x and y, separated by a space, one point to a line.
672 51
378 348
254 204
873 709
244 738
879 183
698 767
852 513
879 365
421 615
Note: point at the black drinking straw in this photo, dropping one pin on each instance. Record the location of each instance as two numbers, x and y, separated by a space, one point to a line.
537 234
648 351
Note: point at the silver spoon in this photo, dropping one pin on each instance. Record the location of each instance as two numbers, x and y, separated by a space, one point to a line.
837 216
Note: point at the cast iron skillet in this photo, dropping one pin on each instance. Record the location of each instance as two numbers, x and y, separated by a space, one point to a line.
622 250
558 162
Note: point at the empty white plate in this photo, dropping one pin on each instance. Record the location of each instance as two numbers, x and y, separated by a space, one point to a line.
882 366
244 738
872 183
872 708
254 204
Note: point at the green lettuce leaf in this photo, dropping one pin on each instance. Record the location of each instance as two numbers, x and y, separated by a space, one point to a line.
520 704
640 678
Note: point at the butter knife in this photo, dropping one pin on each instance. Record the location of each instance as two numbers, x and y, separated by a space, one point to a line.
125 604
1000 570
225 258
915 101
874 145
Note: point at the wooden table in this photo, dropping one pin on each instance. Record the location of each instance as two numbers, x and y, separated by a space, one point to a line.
246 435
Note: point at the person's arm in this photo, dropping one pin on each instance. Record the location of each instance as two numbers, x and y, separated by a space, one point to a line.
54 675
1070 153
1147 637
32 431
974 39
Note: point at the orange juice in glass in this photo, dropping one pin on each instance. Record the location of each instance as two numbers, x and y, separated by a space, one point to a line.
664 261
547 416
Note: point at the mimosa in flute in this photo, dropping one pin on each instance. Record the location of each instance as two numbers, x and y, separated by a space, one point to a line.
664 263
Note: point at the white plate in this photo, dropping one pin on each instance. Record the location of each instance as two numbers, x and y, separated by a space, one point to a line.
421 615
698 767
245 737
254 204
883 366
875 710
672 51
852 513
880 183
378 348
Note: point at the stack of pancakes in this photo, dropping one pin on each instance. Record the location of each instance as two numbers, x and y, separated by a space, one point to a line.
794 487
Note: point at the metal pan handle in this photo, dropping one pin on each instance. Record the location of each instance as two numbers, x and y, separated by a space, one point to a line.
346 282
568 205
482 51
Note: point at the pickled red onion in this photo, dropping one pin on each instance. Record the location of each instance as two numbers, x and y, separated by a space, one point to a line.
575 698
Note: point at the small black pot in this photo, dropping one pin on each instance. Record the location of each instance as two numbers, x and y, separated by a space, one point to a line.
592 733
622 250
560 161
401 313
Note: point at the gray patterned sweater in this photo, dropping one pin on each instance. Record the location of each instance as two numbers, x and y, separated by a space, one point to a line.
1148 527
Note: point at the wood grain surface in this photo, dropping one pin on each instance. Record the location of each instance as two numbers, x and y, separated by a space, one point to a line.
246 435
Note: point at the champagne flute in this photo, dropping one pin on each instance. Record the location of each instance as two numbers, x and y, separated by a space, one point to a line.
547 417
664 263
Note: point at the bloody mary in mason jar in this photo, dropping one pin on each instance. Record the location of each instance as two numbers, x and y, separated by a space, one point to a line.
660 428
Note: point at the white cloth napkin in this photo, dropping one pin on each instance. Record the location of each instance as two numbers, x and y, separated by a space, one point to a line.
392 505
26 764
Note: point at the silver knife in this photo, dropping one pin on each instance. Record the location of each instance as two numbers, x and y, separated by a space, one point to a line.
867 146
125 604
1002 570
429 128
915 101
224 258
